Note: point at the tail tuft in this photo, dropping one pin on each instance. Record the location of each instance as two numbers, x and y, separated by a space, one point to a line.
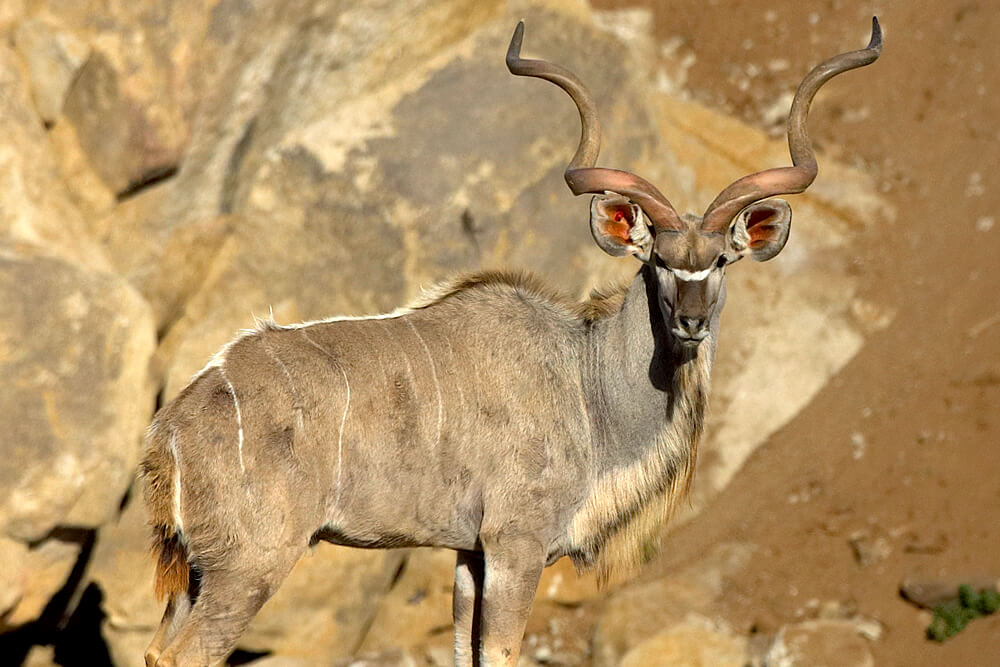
172 569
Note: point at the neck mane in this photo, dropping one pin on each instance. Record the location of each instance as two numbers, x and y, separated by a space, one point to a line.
646 413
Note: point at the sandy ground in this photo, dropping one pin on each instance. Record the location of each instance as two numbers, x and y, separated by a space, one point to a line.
901 446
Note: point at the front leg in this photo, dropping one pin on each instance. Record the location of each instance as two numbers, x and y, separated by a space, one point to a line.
466 607
513 566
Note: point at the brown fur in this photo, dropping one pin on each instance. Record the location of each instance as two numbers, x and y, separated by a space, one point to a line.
602 303
172 569
521 281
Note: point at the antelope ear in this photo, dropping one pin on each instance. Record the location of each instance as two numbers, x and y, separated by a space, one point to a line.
619 226
761 229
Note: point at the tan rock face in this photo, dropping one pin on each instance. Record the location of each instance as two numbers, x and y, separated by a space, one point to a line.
36 207
11 12
417 606
128 139
122 567
635 614
42 571
322 610
166 263
12 577
53 57
75 346
129 102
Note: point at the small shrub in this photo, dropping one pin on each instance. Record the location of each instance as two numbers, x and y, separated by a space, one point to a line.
951 618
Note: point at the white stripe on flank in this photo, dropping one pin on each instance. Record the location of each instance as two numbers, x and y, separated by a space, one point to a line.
347 407
437 385
239 418
690 276
178 522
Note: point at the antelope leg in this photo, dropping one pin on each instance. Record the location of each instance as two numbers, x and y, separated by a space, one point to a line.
467 607
513 566
178 608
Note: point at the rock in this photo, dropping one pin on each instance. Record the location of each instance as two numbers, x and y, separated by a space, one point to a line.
86 189
40 656
43 570
322 610
869 549
36 207
53 57
634 614
129 136
694 643
929 592
417 606
11 11
130 101
167 264
77 346
123 569
385 659
12 555
829 643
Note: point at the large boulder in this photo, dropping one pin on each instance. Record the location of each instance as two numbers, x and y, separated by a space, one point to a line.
639 613
827 642
129 101
697 642
75 347
53 57
417 607
167 263
325 606
35 206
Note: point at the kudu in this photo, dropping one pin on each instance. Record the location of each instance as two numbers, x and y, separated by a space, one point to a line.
493 417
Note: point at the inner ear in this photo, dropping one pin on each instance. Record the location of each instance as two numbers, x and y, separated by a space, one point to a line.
619 227
761 229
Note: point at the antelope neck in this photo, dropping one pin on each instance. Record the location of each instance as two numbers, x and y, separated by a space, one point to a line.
631 368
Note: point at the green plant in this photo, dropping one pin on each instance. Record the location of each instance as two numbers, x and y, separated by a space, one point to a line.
950 618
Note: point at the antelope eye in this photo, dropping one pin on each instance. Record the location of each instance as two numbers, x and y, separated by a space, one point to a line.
721 262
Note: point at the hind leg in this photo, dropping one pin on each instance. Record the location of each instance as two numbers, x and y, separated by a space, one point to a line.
227 601
178 608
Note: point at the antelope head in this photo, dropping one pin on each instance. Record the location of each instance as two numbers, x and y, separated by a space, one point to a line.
689 253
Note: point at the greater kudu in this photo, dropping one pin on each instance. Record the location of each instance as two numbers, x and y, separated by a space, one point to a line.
493 417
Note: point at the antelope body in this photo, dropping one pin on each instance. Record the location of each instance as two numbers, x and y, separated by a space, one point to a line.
494 417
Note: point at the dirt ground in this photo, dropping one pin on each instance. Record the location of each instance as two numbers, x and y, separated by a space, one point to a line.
900 448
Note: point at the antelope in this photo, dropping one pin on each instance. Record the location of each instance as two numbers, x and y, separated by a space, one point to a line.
493 417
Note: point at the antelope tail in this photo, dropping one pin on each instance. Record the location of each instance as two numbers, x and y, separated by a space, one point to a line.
161 474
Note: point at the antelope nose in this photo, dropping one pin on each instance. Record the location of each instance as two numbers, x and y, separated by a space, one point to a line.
691 325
